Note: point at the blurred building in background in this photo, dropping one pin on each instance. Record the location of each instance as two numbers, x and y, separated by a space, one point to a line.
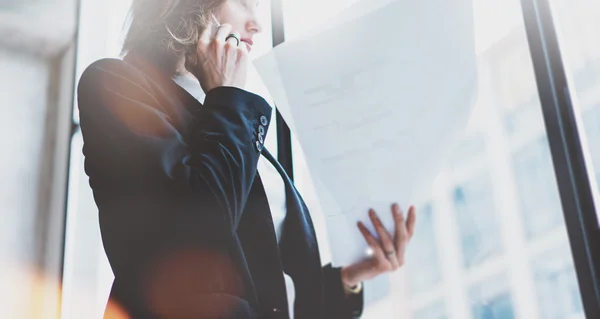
496 218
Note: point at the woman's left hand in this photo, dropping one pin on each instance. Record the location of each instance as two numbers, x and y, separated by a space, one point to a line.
388 251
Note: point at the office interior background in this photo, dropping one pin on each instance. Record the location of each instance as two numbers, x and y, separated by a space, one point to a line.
491 241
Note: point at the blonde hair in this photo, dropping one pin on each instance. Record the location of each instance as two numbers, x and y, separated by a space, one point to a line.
167 30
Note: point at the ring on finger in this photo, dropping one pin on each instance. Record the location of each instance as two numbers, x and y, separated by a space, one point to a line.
234 36
389 254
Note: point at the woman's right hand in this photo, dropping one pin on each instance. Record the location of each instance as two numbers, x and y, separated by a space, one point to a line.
219 62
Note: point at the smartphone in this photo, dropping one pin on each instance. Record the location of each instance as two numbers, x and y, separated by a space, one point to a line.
215 20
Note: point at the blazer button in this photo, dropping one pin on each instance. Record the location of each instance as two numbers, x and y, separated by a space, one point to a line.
259 146
264 121
261 139
261 130
276 310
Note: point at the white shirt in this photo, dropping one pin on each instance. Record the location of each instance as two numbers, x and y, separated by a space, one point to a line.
274 185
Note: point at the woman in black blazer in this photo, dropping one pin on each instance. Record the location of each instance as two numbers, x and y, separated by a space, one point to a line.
185 220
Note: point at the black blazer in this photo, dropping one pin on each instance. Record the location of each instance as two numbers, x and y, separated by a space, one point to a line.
184 217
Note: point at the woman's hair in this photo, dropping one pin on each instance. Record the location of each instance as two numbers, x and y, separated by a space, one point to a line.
165 30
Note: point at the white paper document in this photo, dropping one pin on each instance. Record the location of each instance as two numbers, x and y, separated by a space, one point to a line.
377 99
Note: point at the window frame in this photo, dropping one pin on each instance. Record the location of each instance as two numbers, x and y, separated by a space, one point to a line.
567 151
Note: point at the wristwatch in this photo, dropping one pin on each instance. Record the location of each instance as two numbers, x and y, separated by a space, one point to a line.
353 290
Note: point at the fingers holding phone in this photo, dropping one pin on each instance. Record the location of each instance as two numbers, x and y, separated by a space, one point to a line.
220 60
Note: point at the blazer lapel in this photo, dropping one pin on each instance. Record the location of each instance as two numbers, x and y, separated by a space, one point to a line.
299 250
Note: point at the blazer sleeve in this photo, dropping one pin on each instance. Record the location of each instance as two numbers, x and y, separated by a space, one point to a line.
170 199
338 305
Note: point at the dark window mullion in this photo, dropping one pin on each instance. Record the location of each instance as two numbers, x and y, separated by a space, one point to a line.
284 136
566 148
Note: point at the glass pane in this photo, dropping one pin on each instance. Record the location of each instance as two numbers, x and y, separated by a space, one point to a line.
433 311
87 274
491 239
556 286
535 178
475 213
578 22
425 266
492 299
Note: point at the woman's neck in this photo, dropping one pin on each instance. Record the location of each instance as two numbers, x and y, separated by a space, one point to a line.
180 66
